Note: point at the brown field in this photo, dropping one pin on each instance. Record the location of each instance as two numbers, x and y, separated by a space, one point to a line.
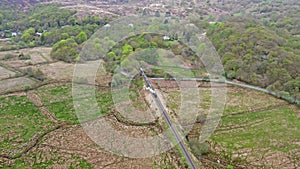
4 73
106 9
15 84
63 148
58 71
61 71
38 55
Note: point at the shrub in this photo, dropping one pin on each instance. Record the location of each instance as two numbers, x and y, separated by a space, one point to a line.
26 87
38 74
24 57
65 50
31 44
229 167
9 56
199 148
127 49
81 37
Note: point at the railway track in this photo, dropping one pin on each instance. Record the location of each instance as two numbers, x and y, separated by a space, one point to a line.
184 150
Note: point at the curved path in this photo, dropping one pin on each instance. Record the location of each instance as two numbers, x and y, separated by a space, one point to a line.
236 84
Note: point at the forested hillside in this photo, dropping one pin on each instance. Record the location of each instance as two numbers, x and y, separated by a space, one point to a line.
44 25
258 56
259 44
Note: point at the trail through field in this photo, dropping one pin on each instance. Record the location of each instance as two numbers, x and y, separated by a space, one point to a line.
36 100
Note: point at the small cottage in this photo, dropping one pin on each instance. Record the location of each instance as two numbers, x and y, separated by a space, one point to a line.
107 26
38 34
14 34
166 38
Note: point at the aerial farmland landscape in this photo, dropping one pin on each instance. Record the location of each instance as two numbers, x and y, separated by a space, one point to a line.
148 84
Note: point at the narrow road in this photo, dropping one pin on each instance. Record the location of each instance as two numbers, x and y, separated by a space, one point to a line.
174 131
220 81
235 84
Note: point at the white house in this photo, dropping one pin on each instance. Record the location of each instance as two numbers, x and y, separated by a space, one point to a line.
130 25
166 38
107 26
38 34
14 34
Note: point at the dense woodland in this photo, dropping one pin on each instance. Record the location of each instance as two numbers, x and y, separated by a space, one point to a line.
260 43
45 25
258 56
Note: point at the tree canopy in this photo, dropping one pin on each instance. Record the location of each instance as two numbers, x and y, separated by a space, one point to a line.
65 50
256 55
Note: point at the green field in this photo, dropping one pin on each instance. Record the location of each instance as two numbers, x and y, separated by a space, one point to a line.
20 122
59 101
54 159
277 130
254 125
